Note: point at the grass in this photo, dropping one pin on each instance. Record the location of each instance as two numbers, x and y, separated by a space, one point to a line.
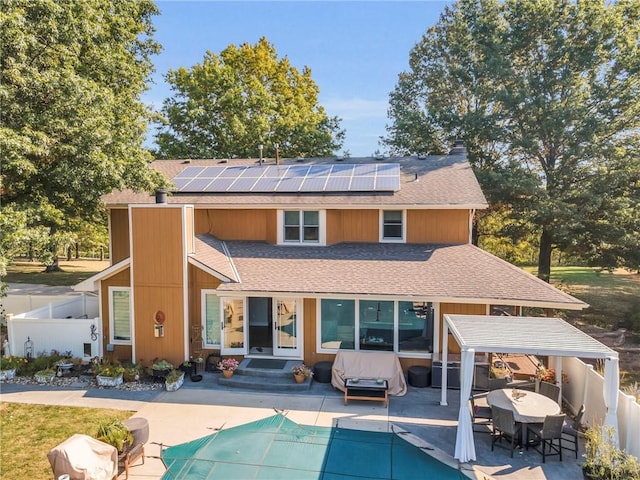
73 272
28 432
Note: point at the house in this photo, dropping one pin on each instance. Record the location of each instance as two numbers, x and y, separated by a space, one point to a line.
298 258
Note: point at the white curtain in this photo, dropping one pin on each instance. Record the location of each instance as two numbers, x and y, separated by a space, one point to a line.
465 448
611 386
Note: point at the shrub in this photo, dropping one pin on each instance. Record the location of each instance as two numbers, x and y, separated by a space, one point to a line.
115 433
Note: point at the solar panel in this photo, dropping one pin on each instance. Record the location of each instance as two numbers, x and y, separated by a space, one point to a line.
290 178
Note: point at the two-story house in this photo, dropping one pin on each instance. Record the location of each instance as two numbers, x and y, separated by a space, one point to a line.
300 258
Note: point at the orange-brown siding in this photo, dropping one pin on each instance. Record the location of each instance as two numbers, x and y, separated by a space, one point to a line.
352 226
198 280
232 224
121 353
119 234
458 309
438 226
158 263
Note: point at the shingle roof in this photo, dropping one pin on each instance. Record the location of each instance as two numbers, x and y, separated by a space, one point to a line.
438 272
445 181
211 253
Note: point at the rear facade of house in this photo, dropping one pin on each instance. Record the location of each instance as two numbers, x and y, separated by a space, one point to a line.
300 258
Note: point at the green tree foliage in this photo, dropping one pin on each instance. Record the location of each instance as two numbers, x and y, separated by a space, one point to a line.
545 95
232 102
72 119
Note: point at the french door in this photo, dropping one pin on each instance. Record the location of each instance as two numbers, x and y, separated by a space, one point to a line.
287 328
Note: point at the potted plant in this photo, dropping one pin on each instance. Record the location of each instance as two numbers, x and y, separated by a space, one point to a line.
174 380
187 367
9 365
132 373
45 375
108 375
161 369
604 460
228 366
301 373
116 434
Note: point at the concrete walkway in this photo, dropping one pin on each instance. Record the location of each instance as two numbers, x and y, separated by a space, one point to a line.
197 409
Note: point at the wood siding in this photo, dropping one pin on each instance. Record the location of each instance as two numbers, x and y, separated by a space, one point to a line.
119 234
121 353
158 264
438 226
198 280
189 230
353 226
231 224
458 309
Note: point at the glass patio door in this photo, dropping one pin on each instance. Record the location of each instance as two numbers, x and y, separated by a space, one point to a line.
287 327
233 332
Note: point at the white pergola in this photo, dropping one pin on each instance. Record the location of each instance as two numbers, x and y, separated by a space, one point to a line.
527 335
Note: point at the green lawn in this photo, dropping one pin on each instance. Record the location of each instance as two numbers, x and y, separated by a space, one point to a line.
28 432
73 272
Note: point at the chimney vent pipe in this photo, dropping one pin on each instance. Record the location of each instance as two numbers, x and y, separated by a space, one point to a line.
161 196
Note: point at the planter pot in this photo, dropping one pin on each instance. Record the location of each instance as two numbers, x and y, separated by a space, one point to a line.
160 374
44 378
299 378
104 381
172 387
7 374
227 373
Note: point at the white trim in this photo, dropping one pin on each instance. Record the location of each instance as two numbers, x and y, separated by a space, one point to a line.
185 277
110 239
209 270
336 206
91 284
381 237
132 294
434 299
322 227
298 352
112 339
245 334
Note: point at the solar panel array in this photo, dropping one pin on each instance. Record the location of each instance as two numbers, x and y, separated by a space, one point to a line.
380 177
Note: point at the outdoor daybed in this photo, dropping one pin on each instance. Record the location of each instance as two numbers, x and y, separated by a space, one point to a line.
350 364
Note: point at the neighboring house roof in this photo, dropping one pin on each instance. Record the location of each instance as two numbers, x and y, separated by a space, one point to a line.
443 181
453 273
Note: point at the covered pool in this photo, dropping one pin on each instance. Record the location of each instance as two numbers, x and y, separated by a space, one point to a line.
278 448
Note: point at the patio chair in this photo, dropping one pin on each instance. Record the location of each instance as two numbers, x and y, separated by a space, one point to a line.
504 426
550 390
545 434
497 383
480 412
570 432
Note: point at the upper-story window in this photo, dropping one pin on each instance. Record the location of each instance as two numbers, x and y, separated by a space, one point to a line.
393 226
301 226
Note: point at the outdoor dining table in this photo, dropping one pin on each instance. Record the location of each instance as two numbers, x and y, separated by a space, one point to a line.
530 407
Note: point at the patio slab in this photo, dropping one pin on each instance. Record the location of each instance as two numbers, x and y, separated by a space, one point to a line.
197 409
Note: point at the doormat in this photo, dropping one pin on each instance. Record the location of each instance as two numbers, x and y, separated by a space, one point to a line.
266 363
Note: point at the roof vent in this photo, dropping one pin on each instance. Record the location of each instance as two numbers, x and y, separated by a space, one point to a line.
422 157
299 160
186 161
224 160
339 159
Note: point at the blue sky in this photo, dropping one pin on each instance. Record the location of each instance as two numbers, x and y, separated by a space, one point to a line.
355 50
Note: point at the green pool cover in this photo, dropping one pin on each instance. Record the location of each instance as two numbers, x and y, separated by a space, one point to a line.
277 448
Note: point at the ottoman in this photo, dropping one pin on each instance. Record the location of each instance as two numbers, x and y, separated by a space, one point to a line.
419 376
322 372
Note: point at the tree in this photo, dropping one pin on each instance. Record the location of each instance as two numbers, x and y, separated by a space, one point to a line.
541 92
232 102
72 119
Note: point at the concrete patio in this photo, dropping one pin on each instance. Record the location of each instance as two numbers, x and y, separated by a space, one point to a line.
197 409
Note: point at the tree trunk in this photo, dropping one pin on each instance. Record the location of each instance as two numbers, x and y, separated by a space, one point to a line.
544 256
77 250
68 254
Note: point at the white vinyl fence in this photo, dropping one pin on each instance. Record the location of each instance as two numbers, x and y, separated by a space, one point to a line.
585 387
71 325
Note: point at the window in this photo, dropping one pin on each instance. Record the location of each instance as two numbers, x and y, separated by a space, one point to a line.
392 225
376 325
415 327
120 314
211 319
301 226
337 324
